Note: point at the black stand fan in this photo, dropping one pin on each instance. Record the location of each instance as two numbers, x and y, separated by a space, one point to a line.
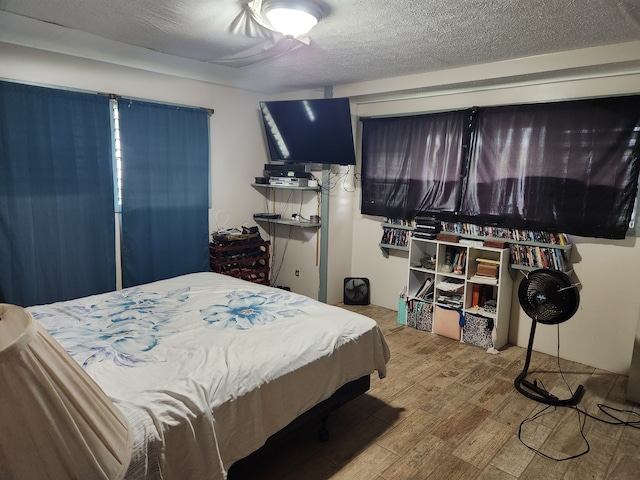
548 297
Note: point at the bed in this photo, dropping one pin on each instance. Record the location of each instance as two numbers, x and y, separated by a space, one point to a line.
206 368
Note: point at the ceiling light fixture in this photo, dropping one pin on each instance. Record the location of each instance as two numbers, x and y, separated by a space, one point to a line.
292 17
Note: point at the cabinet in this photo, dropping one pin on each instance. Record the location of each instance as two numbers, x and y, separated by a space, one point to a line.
248 260
450 284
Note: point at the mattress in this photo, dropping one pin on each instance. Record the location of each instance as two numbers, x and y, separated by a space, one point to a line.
206 367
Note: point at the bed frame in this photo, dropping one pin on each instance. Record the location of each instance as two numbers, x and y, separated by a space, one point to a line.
321 412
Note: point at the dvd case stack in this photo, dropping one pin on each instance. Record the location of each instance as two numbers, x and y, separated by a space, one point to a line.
426 227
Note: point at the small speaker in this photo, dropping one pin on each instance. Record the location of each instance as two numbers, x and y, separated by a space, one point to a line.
356 291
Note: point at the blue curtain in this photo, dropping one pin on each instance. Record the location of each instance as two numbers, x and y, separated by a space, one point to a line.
57 237
165 191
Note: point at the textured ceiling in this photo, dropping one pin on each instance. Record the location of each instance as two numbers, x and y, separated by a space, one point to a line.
356 41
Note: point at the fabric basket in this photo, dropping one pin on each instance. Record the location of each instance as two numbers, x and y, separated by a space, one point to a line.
402 310
477 330
424 317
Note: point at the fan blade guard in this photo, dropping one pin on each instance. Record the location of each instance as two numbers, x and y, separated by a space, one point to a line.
548 296
356 291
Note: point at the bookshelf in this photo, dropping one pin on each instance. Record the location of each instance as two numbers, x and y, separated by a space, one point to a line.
529 250
395 237
448 282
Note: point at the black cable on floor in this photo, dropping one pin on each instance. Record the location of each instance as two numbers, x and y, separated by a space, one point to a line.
582 417
581 423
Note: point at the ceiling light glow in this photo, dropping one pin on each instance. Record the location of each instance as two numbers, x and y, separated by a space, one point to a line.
292 17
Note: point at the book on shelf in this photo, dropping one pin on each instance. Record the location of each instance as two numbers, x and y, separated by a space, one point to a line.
481 294
506 233
459 262
488 260
400 221
425 288
523 254
537 257
395 236
484 279
423 235
475 295
451 300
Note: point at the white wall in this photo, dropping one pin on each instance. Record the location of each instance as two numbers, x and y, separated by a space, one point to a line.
601 334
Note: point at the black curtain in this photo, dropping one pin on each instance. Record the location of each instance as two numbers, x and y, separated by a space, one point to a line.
561 166
413 165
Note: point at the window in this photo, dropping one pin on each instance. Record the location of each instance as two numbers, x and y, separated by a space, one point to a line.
165 190
117 154
57 234
559 166
413 164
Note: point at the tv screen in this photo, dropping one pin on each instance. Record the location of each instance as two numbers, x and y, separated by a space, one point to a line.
309 131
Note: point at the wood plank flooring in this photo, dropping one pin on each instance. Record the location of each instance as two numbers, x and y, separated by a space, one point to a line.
448 410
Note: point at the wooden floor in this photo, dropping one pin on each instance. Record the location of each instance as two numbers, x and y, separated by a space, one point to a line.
448 410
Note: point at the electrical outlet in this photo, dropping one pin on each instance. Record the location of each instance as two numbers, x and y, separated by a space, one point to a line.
297 273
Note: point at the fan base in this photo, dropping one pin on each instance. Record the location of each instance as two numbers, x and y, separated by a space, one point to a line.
540 395
537 393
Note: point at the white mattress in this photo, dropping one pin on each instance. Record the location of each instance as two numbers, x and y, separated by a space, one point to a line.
206 367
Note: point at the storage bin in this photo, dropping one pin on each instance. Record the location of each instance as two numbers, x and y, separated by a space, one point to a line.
420 315
424 317
446 322
402 310
477 330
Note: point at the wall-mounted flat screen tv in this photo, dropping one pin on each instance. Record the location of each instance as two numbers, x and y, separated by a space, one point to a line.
309 131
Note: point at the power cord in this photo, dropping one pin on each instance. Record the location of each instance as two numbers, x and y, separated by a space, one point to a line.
582 417
284 251
581 424
334 179
603 408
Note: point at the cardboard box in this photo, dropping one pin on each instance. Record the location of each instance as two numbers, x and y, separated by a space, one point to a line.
495 243
448 237
488 270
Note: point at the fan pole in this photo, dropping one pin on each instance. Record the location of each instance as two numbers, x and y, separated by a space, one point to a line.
520 379
541 395
324 215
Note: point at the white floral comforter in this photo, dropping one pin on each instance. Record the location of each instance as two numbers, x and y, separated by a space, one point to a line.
206 367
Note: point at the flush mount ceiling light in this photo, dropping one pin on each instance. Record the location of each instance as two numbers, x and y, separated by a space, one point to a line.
292 17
